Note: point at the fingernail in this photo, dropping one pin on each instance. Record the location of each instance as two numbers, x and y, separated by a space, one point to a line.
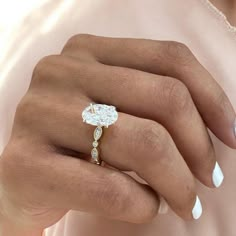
197 209
217 175
163 208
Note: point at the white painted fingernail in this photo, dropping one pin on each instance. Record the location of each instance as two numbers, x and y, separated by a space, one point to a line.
217 175
197 209
163 208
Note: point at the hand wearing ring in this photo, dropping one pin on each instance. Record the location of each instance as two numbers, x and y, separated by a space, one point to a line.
166 101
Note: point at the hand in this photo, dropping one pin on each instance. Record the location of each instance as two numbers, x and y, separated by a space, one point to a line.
166 101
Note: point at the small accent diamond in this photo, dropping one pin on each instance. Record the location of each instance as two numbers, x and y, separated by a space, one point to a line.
94 154
95 144
97 133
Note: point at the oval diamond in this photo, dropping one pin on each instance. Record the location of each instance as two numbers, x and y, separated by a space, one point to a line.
100 115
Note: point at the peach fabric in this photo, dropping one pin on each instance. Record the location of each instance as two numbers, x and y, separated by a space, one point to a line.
193 22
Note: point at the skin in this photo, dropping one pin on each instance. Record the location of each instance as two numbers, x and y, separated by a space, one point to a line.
228 7
45 169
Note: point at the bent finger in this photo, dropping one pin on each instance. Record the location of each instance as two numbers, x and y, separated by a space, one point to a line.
79 185
165 58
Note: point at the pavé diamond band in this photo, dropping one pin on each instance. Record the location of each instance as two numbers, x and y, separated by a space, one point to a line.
99 115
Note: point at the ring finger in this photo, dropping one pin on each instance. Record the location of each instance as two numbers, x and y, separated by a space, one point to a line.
132 143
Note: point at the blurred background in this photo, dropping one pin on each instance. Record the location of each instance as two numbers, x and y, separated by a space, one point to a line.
21 22
12 14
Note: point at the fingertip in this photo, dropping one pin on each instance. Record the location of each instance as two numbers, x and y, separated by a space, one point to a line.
163 207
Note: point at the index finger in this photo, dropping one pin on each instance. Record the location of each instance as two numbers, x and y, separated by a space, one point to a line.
165 58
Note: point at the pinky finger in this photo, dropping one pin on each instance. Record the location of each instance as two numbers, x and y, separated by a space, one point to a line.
80 185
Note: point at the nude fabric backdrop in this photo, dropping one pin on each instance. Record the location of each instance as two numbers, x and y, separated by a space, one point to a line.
192 22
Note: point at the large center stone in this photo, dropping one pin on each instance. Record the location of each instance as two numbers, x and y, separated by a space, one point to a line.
100 115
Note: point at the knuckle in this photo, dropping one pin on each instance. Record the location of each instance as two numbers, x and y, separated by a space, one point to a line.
178 52
78 41
177 96
22 109
44 65
25 111
117 199
31 113
153 138
116 194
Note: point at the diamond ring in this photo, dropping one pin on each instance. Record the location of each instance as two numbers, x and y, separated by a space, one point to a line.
99 115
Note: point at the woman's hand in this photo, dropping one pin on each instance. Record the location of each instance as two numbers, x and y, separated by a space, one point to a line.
166 100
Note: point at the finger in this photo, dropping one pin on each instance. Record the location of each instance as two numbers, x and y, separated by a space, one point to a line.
166 58
102 191
165 100
63 183
147 149
132 143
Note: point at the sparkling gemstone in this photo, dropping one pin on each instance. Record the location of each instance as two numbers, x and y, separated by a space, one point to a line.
94 154
95 144
97 133
100 115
